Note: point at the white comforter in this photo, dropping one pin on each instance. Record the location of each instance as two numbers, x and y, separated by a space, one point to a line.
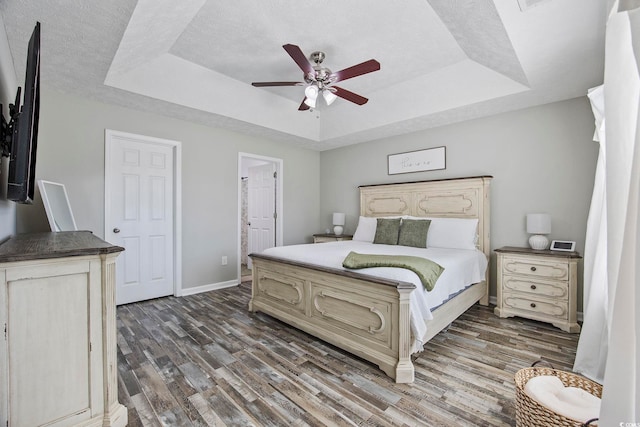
461 269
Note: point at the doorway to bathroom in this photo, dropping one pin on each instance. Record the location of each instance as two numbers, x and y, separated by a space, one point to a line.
260 207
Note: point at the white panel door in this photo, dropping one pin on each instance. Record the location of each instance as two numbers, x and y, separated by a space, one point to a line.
141 178
261 208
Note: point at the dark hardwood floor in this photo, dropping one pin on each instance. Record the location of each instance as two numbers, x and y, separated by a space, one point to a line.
204 360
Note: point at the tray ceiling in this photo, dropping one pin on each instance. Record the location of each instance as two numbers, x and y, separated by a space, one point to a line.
441 61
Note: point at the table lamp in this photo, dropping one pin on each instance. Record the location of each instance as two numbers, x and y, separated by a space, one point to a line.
538 224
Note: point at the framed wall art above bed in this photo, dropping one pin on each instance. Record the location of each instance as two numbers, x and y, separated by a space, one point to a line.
417 161
371 316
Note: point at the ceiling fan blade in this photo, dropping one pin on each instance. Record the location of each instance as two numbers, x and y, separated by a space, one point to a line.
265 84
349 96
296 54
303 106
357 70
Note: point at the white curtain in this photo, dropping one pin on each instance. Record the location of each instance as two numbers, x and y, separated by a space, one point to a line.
591 355
619 310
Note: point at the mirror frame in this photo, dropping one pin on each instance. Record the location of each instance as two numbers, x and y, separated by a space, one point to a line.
47 204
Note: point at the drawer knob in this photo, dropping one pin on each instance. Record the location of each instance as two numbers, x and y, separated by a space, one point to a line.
533 305
533 269
534 287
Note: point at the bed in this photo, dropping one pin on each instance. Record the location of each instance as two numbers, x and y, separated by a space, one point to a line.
366 315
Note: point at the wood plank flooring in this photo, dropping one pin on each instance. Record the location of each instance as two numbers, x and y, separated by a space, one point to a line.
204 360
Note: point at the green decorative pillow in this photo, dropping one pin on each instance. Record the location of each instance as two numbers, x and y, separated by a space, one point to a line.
413 232
387 231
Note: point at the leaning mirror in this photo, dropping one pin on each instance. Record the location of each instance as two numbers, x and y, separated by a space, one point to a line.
56 205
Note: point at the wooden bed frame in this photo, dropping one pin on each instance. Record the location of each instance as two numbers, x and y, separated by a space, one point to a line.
365 315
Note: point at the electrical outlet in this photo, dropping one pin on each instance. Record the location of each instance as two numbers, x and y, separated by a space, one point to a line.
224 260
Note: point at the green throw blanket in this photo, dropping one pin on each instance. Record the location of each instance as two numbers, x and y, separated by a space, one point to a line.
427 270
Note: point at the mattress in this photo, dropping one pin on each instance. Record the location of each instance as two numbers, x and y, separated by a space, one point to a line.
462 268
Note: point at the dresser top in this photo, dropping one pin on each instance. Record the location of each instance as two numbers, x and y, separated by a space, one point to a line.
25 247
546 252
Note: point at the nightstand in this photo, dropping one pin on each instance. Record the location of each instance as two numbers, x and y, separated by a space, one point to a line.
538 285
323 238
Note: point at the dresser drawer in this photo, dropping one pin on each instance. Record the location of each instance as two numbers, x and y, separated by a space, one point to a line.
535 286
535 308
537 267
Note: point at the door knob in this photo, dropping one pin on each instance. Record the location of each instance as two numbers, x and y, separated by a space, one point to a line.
116 230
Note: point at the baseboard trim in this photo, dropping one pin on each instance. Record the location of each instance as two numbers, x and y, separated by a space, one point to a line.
207 288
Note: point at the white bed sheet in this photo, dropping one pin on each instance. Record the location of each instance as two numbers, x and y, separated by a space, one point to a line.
461 269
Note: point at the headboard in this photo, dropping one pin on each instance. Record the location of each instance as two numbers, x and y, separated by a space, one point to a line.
446 198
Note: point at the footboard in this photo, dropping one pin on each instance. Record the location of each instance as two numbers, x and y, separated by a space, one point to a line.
364 315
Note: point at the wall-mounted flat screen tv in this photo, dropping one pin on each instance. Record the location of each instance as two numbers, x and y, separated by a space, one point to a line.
20 133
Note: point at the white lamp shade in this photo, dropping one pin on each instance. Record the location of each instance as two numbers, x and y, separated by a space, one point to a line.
338 218
311 91
538 223
311 94
329 96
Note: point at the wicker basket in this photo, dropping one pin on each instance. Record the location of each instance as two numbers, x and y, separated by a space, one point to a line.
530 413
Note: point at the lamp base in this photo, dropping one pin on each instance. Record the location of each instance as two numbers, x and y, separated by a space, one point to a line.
337 230
538 242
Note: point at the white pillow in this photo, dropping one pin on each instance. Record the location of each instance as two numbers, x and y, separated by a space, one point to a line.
571 402
452 233
366 230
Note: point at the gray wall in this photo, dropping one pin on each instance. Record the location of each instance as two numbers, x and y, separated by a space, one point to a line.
542 160
8 87
71 151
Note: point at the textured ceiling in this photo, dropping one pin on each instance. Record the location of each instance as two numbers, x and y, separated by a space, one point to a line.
442 61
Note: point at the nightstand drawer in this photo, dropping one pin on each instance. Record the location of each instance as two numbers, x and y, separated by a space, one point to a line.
535 286
535 308
548 269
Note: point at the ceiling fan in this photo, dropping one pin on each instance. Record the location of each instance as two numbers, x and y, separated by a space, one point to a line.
320 80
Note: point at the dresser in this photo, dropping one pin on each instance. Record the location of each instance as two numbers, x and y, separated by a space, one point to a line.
539 285
323 238
58 363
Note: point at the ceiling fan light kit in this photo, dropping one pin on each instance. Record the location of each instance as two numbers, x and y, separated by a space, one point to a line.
319 79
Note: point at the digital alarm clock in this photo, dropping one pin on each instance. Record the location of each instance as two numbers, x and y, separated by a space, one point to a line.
563 245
